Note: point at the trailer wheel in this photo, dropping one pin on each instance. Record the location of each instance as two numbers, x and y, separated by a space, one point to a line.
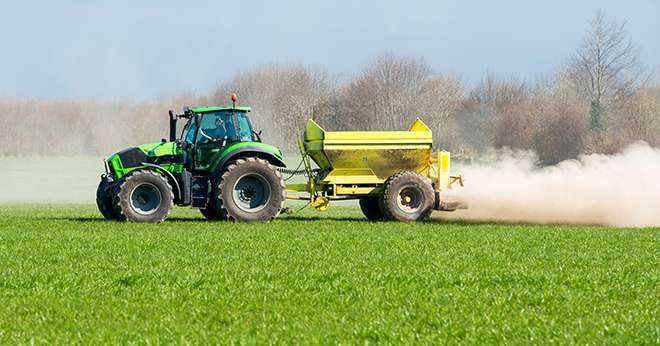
143 196
250 189
407 196
371 209
104 199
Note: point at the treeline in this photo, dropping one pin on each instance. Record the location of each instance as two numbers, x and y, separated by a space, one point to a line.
599 101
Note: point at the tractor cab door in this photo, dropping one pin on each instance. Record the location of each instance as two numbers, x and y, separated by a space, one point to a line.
216 131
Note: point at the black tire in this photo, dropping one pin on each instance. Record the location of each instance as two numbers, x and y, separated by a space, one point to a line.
142 196
249 189
104 199
407 196
212 212
212 215
371 209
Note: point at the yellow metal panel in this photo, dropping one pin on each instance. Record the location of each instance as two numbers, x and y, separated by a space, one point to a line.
444 168
379 146
297 187
419 125
440 172
313 131
369 156
348 178
378 135
347 190
381 162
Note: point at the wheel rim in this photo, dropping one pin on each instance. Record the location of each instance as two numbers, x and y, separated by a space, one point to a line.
409 200
145 199
251 192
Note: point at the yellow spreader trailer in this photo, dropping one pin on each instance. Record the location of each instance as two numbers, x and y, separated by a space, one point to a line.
394 174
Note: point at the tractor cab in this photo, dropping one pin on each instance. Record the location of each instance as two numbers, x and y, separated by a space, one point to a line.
210 130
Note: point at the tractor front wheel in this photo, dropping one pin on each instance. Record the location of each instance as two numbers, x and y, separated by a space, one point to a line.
104 199
250 189
407 196
143 196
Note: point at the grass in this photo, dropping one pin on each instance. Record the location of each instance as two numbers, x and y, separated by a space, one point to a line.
68 277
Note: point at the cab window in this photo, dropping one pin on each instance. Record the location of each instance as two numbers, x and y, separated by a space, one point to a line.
188 133
216 126
246 129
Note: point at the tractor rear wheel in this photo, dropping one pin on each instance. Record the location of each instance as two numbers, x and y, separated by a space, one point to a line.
250 189
407 196
143 196
371 209
104 199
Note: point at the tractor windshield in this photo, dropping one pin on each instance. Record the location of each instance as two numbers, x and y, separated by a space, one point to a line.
220 126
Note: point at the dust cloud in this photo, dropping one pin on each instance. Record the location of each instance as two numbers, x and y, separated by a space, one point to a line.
617 190
49 179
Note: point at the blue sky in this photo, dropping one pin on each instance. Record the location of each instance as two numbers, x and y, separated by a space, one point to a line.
149 49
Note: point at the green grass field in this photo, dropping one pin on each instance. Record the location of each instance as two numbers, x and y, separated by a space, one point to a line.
66 276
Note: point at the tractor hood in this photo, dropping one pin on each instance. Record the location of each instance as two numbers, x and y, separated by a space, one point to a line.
164 154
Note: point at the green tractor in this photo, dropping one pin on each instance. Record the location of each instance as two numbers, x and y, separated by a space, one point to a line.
218 165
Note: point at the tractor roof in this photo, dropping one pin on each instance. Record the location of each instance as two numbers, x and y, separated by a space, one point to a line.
220 109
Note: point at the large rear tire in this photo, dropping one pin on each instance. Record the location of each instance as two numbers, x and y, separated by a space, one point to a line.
371 209
249 189
407 196
104 199
143 196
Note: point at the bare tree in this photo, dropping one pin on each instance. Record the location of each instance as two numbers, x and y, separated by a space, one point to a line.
438 103
606 68
640 119
384 94
490 102
559 128
393 90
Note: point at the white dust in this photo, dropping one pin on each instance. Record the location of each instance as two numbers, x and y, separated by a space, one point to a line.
617 190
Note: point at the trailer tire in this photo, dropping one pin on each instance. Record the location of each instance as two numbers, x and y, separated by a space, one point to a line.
143 196
250 189
104 199
371 209
407 196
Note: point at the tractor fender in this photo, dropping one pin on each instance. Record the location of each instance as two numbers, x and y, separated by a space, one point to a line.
167 173
244 152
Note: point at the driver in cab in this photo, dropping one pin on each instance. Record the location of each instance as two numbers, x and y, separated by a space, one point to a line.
215 130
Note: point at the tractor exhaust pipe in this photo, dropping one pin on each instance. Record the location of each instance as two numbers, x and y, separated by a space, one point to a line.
172 126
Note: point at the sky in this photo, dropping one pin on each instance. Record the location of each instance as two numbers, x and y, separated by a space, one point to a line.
152 49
